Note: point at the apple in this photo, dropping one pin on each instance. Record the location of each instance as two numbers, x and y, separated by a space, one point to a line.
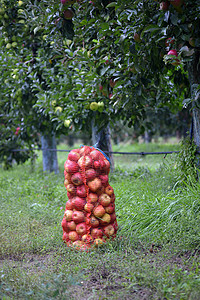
64 2
100 190
71 167
78 202
172 52
95 154
99 211
94 106
64 224
65 236
90 174
175 62
112 83
96 164
66 182
164 5
88 207
98 242
96 233
68 215
101 87
106 165
67 176
85 162
81 228
92 198
81 191
137 37
69 205
71 188
104 199
94 222
73 236
109 190
104 179
67 123
100 106
176 3
105 219
71 225
78 216
87 238
73 155
94 184
77 179
113 217
109 230
170 41
85 150
68 14
110 208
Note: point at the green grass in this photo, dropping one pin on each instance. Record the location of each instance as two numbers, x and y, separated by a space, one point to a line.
155 254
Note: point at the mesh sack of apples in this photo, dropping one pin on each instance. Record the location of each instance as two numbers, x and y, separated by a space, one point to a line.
89 218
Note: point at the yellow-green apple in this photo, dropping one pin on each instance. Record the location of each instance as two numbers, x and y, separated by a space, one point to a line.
90 174
104 199
81 228
68 215
88 207
92 198
78 202
81 191
94 184
99 211
105 220
77 179
78 216
73 236
71 166
71 188
94 222
109 230
71 225
109 190
73 155
110 208
96 233
104 179
85 162
94 106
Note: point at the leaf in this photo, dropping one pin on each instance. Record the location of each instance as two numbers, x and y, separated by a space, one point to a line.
112 4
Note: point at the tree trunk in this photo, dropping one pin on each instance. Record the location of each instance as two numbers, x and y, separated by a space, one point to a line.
194 78
50 162
102 140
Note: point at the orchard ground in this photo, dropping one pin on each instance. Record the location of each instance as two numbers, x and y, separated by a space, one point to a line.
155 254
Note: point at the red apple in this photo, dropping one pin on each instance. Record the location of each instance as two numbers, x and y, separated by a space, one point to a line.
65 236
105 220
113 217
109 190
73 155
100 190
68 14
172 52
95 154
99 211
73 236
71 225
96 233
81 228
98 242
71 189
176 3
88 207
94 184
64 224
109 230
78 216
81 191
85 150
94 222
106 165
87 238
67 176
69 205
71 167
112 83
170 41
104 199
164 5
90 174
92 198
110 208
137 37
77 179
68 215
78 203
101 87
85 162
104 179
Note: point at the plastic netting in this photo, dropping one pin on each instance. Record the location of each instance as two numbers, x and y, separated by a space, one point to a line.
89 218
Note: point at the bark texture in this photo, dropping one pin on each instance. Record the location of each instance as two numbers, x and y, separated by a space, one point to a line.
50 161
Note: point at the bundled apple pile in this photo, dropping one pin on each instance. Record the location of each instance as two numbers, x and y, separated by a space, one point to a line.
89 217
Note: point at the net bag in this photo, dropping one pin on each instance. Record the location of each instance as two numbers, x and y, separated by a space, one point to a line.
89 218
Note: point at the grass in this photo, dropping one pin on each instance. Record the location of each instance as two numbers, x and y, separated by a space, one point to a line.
155 254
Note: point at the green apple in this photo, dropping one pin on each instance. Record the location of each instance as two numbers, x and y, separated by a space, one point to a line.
14 44
67 123
94 106
100 106
44 37
53 102
8 46
20 3
21 21
58 109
